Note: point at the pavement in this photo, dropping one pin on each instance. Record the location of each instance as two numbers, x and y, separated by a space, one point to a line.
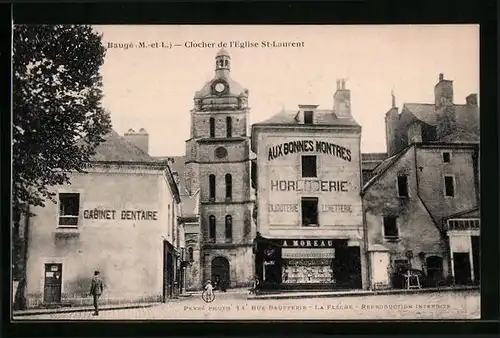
451 304
347 293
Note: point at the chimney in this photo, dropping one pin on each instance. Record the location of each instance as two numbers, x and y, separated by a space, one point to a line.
443 91
391 128
342 100
471 100
445 108
139 139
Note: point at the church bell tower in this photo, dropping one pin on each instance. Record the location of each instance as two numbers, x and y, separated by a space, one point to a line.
217 166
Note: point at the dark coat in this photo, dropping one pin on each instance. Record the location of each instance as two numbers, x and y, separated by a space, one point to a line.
97 286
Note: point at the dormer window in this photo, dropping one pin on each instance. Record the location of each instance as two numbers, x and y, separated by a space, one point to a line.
308 117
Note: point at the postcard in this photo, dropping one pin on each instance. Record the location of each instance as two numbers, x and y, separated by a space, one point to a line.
186 172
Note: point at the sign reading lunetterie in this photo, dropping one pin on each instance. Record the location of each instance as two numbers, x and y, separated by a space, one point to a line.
336 208
305 146
130 215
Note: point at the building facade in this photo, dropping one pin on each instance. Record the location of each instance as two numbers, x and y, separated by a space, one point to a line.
422 203
217 167
309 210
119 218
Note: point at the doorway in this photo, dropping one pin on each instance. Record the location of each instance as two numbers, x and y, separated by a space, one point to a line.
462 268
220 271
347 267
53 283
434 269
168 272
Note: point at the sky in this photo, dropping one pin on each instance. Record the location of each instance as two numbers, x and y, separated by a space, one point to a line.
153 88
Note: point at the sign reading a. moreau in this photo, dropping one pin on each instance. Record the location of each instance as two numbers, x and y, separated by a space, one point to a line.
334 183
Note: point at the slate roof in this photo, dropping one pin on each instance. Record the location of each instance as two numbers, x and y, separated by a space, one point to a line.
176 166
459 136
190 205
116 148
235 88
370 161
426 112
322 117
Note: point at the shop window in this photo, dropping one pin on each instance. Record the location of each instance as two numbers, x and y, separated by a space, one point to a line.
69 209
309 166
402 185
211 228
229 126
211 186
309 211
446 157
308 117
229 228
212 127
229 186
391 230
449 186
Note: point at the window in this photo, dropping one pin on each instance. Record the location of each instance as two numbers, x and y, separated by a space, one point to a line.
190 255
402 186
449 186
211 186
308 117
229 126
229 228
212 127
309 211
229 186
211 228
309 166
446 157
391 230
69 209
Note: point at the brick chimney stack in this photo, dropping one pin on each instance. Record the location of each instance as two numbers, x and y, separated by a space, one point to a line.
342 100
445 108
471 100
139 139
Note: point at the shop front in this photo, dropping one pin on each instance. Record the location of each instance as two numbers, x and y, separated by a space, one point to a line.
287 264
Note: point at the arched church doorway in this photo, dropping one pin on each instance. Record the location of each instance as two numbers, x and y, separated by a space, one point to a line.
220 271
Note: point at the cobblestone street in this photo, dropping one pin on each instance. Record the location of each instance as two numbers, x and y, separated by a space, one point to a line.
445 305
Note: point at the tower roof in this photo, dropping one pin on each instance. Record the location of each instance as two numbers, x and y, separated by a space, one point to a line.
223 52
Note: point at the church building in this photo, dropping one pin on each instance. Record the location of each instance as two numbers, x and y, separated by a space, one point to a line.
309 210
217 175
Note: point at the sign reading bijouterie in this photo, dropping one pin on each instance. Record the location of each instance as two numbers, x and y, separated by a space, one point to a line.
304 146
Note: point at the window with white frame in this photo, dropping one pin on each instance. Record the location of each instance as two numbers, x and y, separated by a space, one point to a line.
69 209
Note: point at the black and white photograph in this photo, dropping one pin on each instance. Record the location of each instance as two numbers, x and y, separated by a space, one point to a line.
245 172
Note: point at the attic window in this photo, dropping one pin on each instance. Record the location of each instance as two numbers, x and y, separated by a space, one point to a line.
308 117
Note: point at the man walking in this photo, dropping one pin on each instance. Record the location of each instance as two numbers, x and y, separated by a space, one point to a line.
96 289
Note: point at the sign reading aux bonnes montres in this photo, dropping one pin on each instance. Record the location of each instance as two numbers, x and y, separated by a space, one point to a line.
304 147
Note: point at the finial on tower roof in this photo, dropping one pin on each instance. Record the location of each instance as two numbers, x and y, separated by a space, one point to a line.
393 98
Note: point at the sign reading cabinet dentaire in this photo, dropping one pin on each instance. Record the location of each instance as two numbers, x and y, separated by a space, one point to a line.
313 172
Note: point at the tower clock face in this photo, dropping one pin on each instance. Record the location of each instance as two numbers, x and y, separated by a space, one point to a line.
220 152
219 87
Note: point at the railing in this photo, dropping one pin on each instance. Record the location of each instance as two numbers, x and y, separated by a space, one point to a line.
462 224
